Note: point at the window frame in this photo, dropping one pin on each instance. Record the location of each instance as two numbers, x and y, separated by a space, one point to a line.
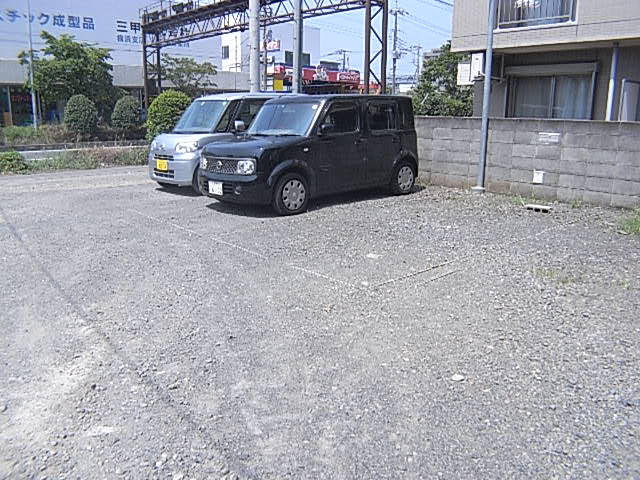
511 25
227 50
357 108
381 101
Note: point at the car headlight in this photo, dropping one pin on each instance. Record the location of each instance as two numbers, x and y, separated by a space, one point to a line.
154 145
246 167
186 147
203 162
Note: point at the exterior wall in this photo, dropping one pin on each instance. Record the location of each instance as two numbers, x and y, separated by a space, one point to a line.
593 162
628 67
596 21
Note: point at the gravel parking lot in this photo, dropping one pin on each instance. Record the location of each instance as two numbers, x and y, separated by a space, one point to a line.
150 333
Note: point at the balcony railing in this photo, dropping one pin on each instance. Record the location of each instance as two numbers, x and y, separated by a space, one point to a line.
528 13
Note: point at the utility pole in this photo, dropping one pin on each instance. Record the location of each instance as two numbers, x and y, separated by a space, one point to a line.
264 55
297 46
33 88
396 54
418 62
254 45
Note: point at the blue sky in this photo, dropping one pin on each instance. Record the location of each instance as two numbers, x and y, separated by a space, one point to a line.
426 23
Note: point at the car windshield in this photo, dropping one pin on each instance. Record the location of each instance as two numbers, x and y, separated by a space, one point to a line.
201 117
284 118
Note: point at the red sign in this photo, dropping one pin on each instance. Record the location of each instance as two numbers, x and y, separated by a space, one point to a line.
318 74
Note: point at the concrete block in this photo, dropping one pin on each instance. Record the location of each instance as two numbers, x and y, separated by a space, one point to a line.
550 152
424 166
440 167
498 173
525 137
441 156
461 134
474 147
625 201
628 158
442 133
599 170
602 142
548 166
629 129
597 198
550 179
476 133
521 176
503 124
498 186
623 187
425 176
573 168
501 136
440 144
606 157
574 140
574 154
458 181
544 191
630 143
627 172
575 126
569 194
499 161
523 163
457 169
610 129
460 146
460 157
571 181
527 125
596 184
524 150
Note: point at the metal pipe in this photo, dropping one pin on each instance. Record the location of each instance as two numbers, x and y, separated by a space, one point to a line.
613 82
159 70
33 89
367 45
297 46
254 45
385 36
486 98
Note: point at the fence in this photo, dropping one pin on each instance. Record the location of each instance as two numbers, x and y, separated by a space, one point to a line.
593 162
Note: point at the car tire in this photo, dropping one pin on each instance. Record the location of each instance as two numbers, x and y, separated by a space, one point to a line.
403 179
165 185
291 194
194 182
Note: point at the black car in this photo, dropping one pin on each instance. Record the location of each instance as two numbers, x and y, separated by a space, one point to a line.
304 146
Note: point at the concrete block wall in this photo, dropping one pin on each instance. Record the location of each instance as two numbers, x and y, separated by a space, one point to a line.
593 162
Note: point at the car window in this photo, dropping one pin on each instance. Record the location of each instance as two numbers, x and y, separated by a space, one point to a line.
381 115
406 115
223 124
343 117
249 109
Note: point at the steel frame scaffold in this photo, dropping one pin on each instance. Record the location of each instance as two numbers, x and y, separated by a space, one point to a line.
170 22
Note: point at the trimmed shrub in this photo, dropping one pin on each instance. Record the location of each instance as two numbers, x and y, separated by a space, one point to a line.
126 114
165 111
12 162
81 115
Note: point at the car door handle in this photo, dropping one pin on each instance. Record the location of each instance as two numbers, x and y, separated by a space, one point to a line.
358 141
395 140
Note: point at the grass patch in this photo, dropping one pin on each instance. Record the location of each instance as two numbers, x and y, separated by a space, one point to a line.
630 224
550 274
13 162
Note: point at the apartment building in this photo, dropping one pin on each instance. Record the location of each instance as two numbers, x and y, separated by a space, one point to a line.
568 59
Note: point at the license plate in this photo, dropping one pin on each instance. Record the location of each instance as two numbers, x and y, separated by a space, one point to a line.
215 188
162 165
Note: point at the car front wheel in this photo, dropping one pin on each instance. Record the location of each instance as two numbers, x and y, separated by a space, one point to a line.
291 194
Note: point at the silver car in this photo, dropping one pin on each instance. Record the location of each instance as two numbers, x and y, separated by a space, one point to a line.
174 157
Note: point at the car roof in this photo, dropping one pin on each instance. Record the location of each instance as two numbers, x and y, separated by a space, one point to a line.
303 98
239 95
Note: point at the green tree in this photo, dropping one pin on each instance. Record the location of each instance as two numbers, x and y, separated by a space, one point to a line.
187 75
126 113
66 68
165 111
437 92
81 115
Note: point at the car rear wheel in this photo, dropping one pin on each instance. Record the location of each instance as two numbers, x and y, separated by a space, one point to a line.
404 178
291 194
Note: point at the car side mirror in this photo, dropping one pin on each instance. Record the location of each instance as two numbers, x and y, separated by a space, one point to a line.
239 126
326 129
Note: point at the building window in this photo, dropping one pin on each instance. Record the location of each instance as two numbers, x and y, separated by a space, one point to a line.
530 13
559 96
288 58
225 52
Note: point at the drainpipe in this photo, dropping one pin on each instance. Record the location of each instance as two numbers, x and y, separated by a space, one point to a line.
486 99
613 82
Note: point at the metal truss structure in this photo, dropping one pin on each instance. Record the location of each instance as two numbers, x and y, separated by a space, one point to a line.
169 22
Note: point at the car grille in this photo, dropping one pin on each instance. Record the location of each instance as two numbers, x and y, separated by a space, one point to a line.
163 173
221 164
160 156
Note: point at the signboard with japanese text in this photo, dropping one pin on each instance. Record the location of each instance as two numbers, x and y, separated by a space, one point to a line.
112 24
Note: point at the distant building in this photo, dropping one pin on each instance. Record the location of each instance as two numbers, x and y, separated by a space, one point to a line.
432 54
